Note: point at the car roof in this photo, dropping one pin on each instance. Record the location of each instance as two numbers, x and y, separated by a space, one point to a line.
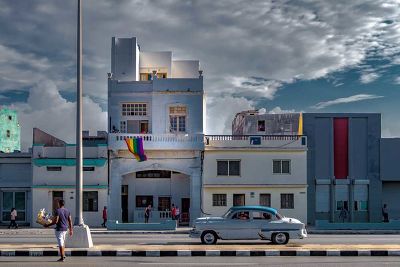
257 208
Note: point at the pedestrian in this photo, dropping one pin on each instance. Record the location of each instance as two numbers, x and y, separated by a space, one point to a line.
147 212
343 214
385 213
177 213
173 212
63 222
104 217
13 218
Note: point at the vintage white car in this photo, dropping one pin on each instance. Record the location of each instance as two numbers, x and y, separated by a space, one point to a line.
247 223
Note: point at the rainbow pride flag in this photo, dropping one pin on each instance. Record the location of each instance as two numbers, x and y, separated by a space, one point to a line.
135 146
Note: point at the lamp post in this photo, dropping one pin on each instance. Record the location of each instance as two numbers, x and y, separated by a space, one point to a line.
81 237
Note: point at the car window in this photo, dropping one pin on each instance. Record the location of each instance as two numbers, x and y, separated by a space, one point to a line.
241 215
259 215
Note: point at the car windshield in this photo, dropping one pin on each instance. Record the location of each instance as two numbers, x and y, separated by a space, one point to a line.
228 214
279 216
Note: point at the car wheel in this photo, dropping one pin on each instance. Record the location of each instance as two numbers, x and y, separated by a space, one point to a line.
280 238
209 238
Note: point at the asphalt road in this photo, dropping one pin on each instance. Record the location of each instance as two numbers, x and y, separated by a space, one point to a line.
205 261
180 239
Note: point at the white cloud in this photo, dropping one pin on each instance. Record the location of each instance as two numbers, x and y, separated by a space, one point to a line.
222 110
343 100
48 110
369 77
397 80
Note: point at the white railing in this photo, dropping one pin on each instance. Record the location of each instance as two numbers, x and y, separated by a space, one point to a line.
254 141
155 216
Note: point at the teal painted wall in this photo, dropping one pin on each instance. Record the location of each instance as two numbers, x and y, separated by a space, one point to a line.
9 131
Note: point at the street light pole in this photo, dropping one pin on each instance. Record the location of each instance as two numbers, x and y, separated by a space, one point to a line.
81 237
79 157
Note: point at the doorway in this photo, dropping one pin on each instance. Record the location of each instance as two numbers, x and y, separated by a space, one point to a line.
239 199
185 216
124 203
57 195
144 127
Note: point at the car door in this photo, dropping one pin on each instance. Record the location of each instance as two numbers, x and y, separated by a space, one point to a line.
262 221
239 226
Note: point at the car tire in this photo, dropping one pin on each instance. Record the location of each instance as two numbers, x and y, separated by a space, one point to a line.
280 238
209 238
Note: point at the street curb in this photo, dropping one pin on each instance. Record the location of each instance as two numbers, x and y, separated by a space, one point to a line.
196 253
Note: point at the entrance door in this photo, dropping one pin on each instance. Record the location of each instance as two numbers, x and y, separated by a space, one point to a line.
239 199
132 126
124 203
144 127
57 195
185 216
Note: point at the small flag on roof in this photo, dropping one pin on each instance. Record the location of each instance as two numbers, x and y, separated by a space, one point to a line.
135 146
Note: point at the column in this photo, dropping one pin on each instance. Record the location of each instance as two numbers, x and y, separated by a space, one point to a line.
114 209
195 195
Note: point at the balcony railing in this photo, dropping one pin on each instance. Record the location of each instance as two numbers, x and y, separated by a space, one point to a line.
159 141
254 141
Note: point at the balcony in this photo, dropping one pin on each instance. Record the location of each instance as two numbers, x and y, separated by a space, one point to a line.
116 141
283 142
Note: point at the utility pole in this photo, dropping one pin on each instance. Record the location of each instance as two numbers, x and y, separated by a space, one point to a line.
81 237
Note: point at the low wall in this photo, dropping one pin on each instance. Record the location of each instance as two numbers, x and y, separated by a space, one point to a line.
165 225
326 225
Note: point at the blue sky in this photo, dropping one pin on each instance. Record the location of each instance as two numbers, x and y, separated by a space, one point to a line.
285 56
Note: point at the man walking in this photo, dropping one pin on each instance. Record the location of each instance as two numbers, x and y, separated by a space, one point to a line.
63 222
385 213
13 216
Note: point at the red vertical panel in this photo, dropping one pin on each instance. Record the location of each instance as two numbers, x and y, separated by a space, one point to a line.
340 141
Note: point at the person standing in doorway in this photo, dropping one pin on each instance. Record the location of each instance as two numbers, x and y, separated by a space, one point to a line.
63 222
13 218
173 212
104 217
147 212
385 213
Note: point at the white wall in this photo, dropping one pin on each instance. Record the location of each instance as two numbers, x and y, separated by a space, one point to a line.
185 69
124 54
256 167
159 61
42 198
300 199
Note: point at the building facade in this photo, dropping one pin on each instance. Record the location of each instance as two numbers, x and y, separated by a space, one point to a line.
267 170
15 187
54 175
161 100
9 131
343 166
390 176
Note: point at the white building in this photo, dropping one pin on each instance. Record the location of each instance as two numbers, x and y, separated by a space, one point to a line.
153 96
15 187
268 170
54 175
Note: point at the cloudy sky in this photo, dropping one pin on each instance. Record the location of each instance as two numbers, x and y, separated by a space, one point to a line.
310 56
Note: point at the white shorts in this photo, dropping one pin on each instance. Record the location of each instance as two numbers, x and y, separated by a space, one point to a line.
60 235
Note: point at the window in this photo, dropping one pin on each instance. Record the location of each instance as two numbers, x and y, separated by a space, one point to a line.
219 200
10 118
258 215
161 75
261 126
265 200
53 168
340 204
281 167
153 174
15 200
88 169
8 134
239 199
177 118
90 201
361 205
134 109
122 126
164 203
228 167
241 215
144 201
287 201
145 76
